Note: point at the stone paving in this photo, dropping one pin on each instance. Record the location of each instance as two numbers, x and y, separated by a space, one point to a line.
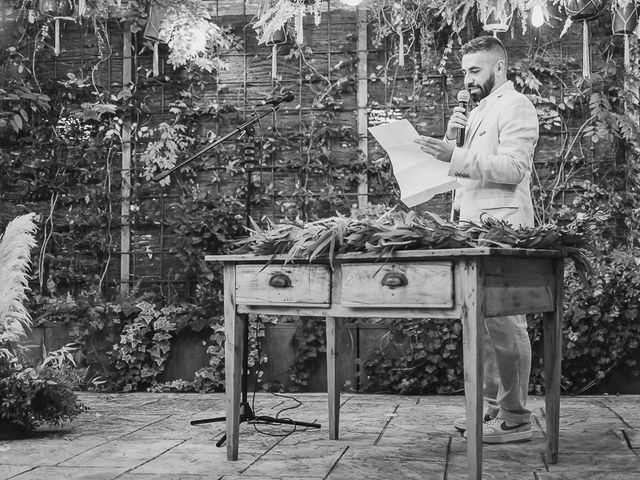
142 436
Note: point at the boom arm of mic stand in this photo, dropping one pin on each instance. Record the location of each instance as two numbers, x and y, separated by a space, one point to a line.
236 131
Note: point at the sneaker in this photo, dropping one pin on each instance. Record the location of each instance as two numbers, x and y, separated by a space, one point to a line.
497 431
460 423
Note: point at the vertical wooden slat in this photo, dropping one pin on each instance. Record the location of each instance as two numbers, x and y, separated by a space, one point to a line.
333 379
234 325
363 94
3 39
125 188
472 331
631 85
552 363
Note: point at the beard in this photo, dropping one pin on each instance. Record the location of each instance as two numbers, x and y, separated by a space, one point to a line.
482 90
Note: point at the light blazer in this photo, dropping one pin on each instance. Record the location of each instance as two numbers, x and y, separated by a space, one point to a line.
494 164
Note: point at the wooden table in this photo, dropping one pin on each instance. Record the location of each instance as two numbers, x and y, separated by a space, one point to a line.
469 283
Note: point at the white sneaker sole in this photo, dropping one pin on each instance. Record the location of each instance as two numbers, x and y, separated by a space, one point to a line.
460 424
513 437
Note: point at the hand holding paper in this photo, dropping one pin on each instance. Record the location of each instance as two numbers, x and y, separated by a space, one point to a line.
439 149
420 176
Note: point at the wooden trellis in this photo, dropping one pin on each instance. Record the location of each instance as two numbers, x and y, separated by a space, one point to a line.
342 36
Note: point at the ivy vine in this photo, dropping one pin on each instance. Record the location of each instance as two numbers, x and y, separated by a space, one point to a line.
61 138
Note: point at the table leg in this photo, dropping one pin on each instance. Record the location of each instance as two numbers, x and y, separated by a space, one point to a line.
234 325
472 335
333 379
552 363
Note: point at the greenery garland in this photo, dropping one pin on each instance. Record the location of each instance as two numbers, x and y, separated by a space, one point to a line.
396 230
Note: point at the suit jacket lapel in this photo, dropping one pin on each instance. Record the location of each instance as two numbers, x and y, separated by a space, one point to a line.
477 120
479 115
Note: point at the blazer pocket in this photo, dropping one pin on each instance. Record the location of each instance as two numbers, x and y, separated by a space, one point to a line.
506 214
500 208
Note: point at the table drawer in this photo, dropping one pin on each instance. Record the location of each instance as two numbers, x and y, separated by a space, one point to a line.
398 284
302 285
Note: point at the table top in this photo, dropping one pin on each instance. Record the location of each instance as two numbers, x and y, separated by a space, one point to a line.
397 255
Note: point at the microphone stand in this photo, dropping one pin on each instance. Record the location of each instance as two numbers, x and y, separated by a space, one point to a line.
240 129
246 413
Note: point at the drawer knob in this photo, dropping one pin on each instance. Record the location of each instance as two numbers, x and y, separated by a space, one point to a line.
279 280
394 279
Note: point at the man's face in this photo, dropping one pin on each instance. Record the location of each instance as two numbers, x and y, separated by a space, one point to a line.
479 73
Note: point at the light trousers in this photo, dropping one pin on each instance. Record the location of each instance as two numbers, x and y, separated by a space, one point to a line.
507 365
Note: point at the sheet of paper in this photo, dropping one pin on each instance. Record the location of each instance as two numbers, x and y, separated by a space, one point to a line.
420 176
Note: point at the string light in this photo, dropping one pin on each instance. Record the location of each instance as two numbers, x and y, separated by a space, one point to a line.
537 16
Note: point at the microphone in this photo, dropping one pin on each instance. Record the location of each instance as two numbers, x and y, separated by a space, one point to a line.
463 101
277 99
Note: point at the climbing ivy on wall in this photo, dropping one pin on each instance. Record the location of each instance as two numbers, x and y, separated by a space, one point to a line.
61 145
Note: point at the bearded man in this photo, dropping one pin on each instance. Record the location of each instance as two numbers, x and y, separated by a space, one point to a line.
494 167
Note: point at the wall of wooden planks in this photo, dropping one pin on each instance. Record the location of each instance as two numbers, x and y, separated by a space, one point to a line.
338 48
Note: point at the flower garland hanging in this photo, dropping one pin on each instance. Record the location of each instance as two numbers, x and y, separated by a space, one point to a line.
193 38
274 16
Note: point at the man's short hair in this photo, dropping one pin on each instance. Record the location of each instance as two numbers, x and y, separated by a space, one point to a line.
486 43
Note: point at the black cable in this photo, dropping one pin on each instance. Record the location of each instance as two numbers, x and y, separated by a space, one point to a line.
267 419
290 397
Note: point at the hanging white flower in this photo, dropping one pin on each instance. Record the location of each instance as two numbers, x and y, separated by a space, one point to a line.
276 16
192 36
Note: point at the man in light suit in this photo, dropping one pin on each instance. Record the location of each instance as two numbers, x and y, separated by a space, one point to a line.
494 167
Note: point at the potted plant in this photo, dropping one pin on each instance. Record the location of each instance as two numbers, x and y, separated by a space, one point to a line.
583 10
56 9
30 396
278 37
624 17
496 15
624 21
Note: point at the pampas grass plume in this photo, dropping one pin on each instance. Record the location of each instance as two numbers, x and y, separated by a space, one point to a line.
15 248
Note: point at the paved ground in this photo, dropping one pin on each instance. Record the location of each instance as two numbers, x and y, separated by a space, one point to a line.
148 436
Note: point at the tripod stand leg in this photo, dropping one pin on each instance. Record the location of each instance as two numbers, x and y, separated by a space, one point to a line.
333 379
234 329
286 421
236 349
208 420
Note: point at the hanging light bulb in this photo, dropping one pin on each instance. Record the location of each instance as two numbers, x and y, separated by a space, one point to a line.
352 3
537 16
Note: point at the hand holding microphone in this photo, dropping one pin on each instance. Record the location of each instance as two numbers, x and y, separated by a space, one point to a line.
458 121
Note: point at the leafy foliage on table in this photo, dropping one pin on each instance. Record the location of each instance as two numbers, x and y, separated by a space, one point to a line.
395 231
